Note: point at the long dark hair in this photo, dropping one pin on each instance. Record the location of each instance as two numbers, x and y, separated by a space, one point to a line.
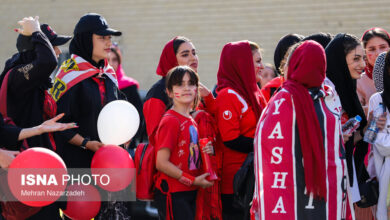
337 71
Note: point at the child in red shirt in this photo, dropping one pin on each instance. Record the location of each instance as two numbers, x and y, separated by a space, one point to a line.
177 151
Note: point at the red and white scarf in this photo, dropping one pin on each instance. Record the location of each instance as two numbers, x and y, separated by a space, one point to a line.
75 70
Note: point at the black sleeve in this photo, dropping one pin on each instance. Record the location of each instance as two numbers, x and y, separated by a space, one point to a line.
28 76
9 135
241 144
69 105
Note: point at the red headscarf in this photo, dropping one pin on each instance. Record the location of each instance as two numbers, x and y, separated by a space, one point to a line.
306 69
369 67
167 59
236 71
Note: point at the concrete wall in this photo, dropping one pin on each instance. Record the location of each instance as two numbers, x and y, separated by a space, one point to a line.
147 25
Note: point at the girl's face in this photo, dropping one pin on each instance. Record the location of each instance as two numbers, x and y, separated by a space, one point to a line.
355 61
186 56
267 74
374 47
184 93
113 60
101 47
258 64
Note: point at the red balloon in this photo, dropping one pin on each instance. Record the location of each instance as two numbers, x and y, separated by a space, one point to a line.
117 164
83 207
35 176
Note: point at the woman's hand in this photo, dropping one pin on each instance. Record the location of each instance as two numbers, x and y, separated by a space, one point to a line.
209 149
29 26
203 90
381 121
346 137
202 181
6 157
52 125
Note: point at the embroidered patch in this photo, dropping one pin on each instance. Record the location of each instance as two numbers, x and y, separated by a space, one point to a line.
69 65
227 115
25 70
58 88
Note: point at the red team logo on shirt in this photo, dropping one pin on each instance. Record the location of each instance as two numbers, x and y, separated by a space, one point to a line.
227 115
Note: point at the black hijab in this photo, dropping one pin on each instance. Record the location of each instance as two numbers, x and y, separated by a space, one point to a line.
284 43
17 59
82 46
337 71
386 83
321 38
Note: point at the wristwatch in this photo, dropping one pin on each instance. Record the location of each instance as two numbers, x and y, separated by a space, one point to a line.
84 143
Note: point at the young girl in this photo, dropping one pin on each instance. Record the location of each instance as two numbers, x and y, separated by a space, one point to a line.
375 41
177 150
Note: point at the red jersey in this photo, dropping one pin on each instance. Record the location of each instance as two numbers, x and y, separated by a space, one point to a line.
271 87
180 135
235 117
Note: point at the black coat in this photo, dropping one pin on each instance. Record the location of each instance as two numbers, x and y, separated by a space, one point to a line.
82 105
8 135
27 83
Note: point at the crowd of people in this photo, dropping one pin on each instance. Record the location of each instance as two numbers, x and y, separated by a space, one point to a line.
274 132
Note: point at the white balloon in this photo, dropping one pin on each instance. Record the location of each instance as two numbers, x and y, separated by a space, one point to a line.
117 122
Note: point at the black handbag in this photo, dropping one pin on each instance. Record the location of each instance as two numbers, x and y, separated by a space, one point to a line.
369 193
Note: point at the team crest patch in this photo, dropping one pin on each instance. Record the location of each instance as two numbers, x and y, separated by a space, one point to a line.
58 88
69 65
227 115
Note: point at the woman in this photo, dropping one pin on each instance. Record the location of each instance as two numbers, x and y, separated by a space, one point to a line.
299 173
93 84
380 159
280 51
238 109
267 74
28 102
178 51
375 41
128 86
345 64
84 84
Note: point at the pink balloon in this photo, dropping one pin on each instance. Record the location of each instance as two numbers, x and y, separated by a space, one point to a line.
83 207
35 176
115 162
